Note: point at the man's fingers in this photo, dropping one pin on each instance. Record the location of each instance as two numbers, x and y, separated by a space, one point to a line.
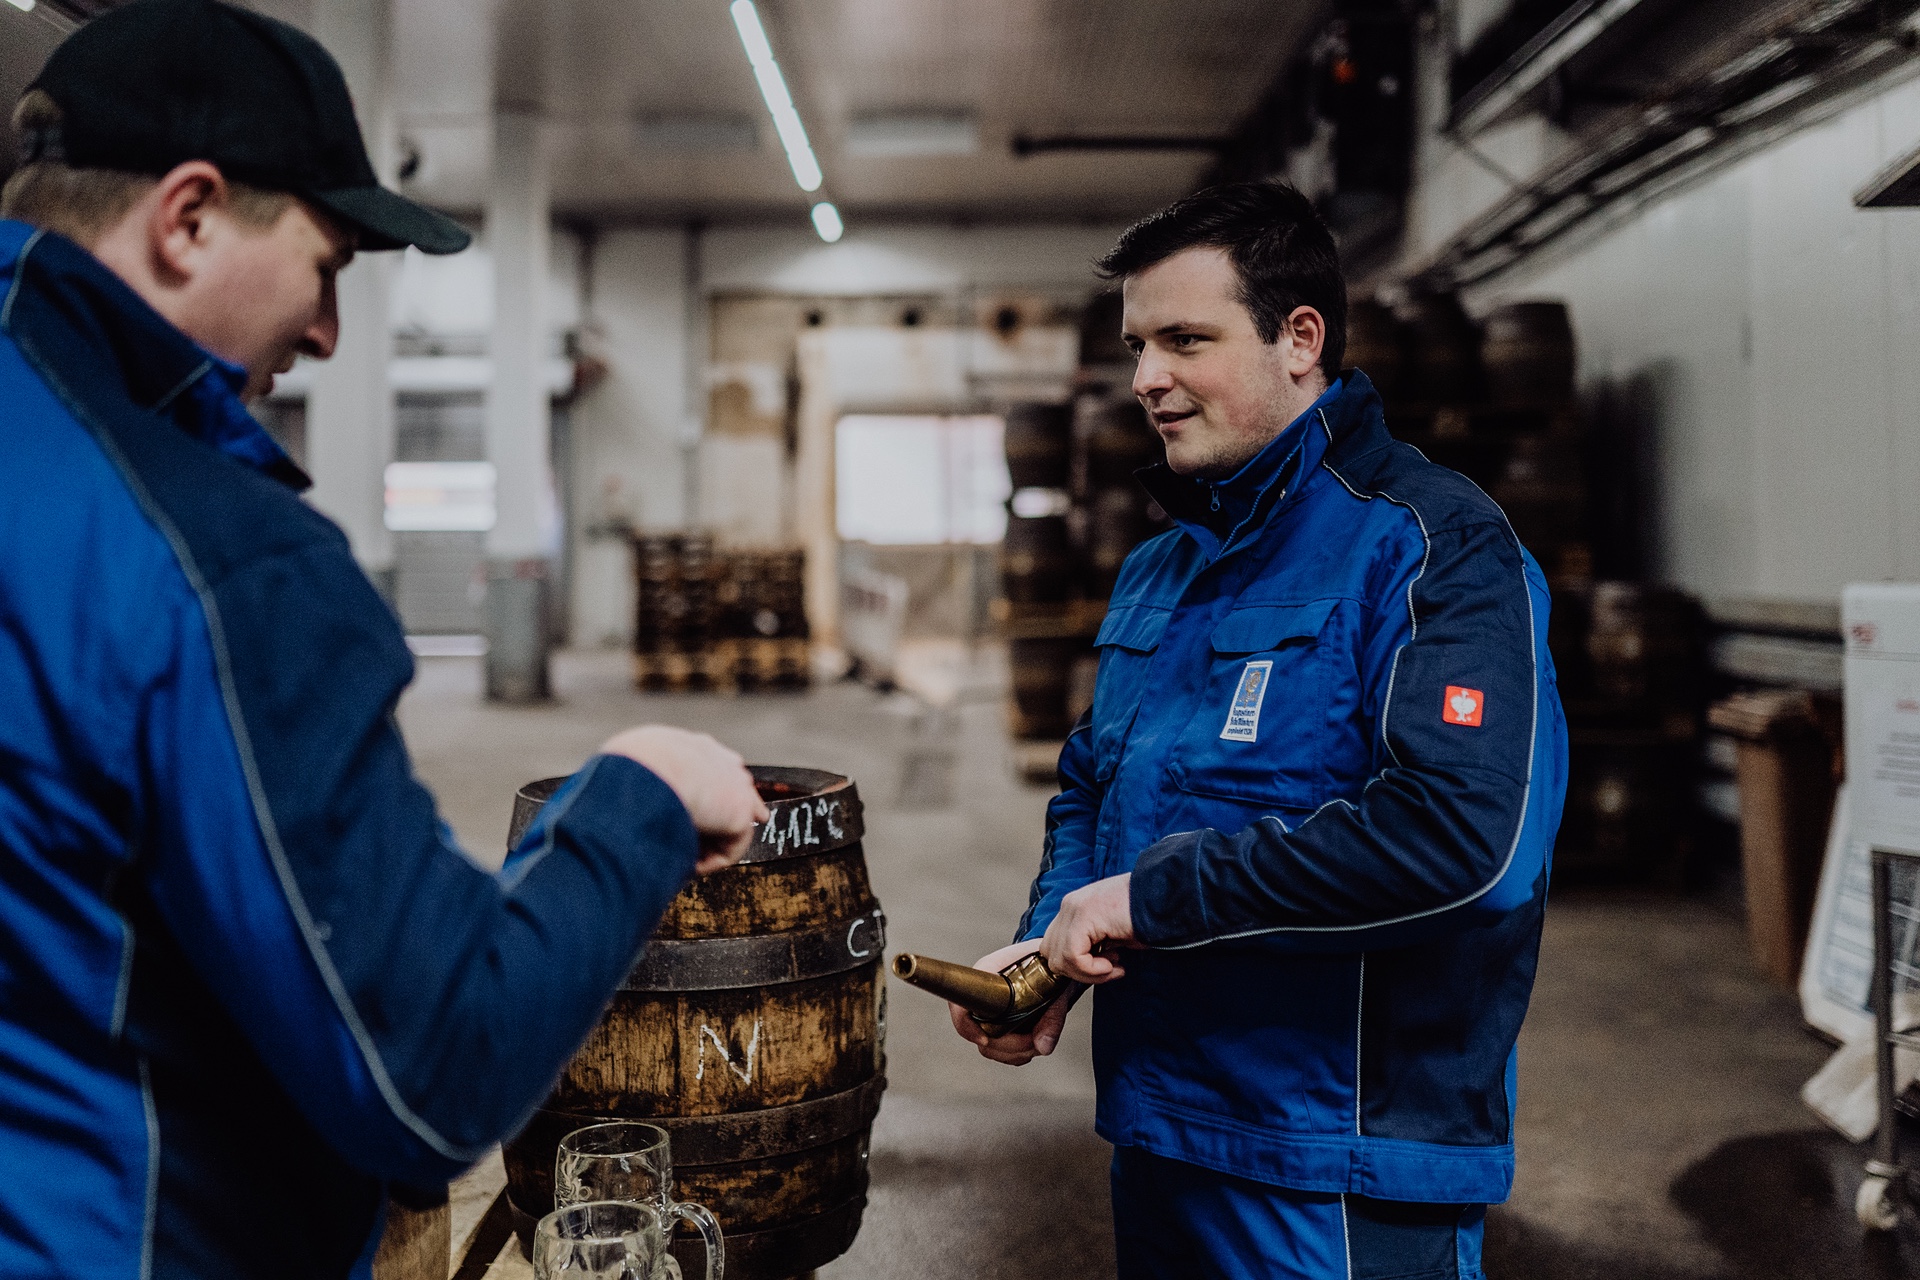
1046 1033
964 1024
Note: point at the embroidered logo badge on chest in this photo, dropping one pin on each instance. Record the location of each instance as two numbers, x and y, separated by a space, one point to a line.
1243 716
1463 706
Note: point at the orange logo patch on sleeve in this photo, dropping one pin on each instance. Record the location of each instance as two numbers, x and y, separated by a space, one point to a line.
1463 706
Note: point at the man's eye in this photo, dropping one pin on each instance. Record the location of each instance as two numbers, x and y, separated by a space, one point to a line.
1185 340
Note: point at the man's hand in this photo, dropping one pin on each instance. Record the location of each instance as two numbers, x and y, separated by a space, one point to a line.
1094 917
711 780
1015 1050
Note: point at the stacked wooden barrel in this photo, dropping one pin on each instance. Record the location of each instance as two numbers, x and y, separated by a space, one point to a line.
673 611
762 621
1496 402
751 1030
1076 513
1633 694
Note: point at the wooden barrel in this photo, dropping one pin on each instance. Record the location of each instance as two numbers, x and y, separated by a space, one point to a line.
1100 341
1036 559
1443 351
1119 439
1627 803
1526 350
751 1030
1645 648
1117 522
1543 490
1377 346
1042 678
1039 444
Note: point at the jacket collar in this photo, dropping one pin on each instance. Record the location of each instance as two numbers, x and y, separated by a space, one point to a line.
129 348
1220 515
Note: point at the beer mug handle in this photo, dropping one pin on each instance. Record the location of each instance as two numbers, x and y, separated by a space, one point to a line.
709 1228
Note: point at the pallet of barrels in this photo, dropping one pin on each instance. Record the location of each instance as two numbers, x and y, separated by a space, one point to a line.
707 619
751 1030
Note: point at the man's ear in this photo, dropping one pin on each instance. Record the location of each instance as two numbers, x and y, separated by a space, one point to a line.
177 221
1306 332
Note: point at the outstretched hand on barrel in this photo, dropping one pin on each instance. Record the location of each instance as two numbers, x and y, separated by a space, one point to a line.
711 780
1016 1050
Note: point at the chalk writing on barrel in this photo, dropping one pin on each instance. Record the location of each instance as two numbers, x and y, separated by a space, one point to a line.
742 1069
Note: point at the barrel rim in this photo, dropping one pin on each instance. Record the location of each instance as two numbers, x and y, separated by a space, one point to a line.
824 814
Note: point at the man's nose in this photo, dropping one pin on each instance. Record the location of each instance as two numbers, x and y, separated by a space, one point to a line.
1151 376
323 335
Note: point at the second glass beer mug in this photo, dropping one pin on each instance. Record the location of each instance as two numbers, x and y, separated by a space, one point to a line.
630 1161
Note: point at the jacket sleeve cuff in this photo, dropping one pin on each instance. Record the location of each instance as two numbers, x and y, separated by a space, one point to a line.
1165 898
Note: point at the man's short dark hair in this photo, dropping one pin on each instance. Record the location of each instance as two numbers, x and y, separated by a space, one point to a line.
1283 252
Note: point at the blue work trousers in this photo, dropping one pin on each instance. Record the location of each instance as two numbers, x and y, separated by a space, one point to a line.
1177 1221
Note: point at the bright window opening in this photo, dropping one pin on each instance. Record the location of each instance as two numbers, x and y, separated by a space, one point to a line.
914 480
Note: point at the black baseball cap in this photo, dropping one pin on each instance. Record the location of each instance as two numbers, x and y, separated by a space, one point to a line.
157 83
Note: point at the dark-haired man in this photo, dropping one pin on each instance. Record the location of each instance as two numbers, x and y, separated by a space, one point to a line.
1303 836
247 980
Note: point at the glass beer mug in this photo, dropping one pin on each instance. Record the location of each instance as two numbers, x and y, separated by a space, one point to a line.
601 1240
632 1162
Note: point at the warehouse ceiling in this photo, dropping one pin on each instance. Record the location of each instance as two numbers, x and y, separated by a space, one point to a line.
655 113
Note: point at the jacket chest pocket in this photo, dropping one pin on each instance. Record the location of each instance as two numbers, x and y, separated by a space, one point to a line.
1257 731
1128 637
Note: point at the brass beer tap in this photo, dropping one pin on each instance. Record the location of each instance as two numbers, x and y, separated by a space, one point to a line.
1005 1003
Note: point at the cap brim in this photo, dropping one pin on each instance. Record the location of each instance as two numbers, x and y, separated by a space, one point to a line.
389 221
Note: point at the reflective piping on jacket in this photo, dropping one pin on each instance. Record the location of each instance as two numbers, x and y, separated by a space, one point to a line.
123 985
508 883
151 1215
1346 1235
13 290
263 812
199 372
1359 1030
1533 745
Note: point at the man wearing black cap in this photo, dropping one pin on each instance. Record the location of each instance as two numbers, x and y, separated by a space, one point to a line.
247 980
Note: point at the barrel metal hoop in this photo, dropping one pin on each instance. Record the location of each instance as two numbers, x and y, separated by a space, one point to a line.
735 1136
760 960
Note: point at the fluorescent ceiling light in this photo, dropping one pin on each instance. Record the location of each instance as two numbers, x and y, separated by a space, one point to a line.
773 88
696 133
24 6
826 220
913 133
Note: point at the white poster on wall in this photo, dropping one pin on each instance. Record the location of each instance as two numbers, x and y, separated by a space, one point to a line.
1880 805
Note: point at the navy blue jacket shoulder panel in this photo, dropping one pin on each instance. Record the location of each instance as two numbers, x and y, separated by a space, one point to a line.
261 893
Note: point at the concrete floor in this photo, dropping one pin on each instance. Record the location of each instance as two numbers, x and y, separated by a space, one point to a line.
1661 1136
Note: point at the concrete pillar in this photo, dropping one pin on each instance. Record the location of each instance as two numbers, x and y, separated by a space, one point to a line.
522 542
350 408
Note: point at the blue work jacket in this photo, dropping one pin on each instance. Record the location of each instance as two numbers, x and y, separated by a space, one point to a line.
1327 743
246 978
